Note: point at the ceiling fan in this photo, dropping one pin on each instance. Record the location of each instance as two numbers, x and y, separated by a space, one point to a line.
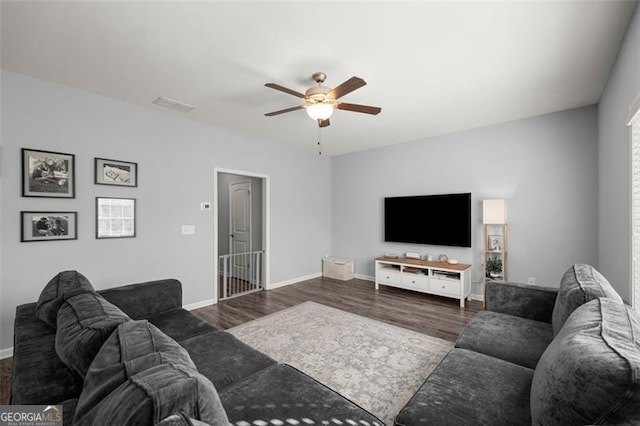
321 101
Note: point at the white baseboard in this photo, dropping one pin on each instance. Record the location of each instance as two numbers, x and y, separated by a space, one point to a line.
196 305
203 303
365 277
479 297
6 353
293 281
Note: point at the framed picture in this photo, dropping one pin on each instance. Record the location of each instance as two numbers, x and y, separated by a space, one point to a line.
115 172
115 217
49 226
495 242
48 174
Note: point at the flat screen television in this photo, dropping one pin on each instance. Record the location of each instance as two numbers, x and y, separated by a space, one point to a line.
439 220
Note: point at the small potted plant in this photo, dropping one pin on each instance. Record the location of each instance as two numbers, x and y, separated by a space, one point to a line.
494 267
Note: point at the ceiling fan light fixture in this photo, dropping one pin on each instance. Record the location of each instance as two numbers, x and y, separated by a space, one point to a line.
320 111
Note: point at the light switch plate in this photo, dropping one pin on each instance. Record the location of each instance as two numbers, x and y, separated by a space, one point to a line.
188 229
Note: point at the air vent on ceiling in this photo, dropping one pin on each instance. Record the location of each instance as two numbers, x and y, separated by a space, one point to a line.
172 104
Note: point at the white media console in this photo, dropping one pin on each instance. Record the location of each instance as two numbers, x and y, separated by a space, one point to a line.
440 278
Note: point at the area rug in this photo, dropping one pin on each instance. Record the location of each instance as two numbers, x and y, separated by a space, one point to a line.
376 365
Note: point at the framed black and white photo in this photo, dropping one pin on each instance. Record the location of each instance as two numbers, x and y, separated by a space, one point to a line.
495 242
115 172
48 226
48 174
115 217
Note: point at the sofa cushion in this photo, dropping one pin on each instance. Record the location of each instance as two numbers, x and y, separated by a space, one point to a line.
142 376
579 285
514 339
180 324
158 295
470 388
57 290
212 350
38 376
590 373
281 395
85 321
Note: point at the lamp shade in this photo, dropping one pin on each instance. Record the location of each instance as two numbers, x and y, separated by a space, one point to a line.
494 212
320 111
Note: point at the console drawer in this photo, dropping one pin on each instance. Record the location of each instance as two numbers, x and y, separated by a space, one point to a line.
416 281
389 277
441 286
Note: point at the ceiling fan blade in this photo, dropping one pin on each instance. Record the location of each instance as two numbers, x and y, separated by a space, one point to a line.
359 108
282 111
323 123
285 90
347 87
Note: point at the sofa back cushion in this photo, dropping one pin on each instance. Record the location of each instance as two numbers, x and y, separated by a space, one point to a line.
590 373
57 290
84 322
579 285
158 295
142 376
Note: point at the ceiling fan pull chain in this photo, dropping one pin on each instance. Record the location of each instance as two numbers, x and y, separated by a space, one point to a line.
319 146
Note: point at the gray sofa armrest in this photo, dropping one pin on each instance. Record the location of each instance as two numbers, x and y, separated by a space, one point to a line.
521 300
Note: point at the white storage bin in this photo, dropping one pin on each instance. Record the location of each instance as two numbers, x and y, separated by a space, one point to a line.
340 269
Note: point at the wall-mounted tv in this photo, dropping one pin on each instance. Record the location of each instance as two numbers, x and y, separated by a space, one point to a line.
439 220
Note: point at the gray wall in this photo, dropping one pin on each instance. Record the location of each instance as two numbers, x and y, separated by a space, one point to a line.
176 158
614 227
546 167
224 179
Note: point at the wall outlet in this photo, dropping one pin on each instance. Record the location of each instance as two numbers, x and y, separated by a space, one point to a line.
205 206
188 229
531 280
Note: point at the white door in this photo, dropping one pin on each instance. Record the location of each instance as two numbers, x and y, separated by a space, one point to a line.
240 228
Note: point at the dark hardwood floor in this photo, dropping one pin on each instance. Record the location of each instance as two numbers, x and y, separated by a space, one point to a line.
433 315
436 316
5 380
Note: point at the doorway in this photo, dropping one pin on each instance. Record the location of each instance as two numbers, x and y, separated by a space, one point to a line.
240 233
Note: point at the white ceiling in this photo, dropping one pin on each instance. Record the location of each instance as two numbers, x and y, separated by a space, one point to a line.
433 67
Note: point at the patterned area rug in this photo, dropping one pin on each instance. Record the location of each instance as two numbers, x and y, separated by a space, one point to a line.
376 365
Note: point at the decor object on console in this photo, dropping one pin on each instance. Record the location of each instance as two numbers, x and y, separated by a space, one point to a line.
496 234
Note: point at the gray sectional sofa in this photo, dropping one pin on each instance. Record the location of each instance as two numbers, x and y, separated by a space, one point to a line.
539 356
133 355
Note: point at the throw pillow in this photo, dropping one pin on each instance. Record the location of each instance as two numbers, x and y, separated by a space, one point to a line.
85 321
59 288
590 373
142 376
579 285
